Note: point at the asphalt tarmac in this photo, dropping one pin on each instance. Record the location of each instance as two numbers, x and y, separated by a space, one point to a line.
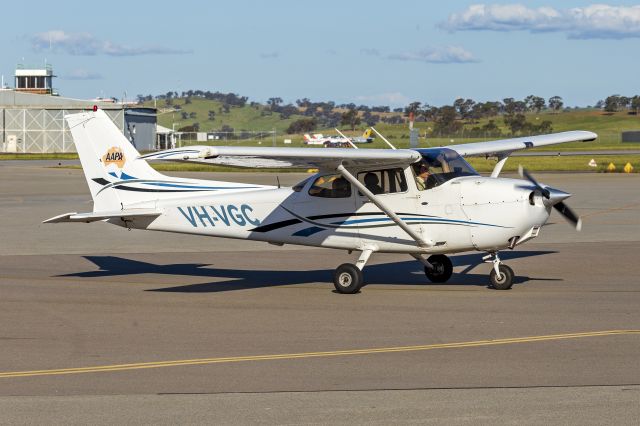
103 325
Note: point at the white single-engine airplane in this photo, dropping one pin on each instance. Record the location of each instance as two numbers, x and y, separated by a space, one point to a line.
320 139
422 202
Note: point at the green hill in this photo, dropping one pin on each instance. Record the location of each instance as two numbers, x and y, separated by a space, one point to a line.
259 117
246 118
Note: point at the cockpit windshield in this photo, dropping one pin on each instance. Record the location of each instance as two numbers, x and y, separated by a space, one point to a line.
441 165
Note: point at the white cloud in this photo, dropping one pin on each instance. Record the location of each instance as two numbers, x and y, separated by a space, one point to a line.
85 44
594 21
392 99
603 21
82 74
437 55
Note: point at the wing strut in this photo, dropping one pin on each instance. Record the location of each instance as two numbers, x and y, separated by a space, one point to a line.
375 200
502 158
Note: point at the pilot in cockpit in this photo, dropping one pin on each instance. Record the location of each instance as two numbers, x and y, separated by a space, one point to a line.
422 177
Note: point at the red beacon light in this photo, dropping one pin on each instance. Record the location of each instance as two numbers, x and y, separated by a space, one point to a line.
95 108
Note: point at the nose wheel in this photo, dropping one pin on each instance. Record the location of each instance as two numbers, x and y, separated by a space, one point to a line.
501 276
438 267
440 270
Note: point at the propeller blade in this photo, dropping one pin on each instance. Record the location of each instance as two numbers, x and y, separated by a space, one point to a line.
569 214
525 174
557 202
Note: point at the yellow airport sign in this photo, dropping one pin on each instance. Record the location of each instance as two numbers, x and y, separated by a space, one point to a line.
628 168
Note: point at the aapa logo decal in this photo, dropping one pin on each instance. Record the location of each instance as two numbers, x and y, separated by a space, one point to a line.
114 156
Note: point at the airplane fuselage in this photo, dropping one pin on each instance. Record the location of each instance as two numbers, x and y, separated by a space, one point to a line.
465 213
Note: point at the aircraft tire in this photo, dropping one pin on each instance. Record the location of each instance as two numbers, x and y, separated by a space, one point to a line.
505 281
347 279
442 271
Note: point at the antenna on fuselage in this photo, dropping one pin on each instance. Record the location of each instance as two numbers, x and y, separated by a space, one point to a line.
348 139
383 138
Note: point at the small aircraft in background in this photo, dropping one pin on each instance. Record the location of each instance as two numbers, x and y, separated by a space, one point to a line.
320 139
426 203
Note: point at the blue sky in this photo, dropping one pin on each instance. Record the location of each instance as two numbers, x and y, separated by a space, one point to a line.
371 52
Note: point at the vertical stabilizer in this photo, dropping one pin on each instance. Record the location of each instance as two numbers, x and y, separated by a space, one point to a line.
107 157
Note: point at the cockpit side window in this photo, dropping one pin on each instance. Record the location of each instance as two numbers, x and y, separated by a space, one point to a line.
386 181
298 187
439 166
330 186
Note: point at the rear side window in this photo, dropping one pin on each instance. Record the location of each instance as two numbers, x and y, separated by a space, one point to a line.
330 186
386 181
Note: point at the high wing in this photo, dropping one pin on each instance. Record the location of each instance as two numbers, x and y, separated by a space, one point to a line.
268 157
507 146
330 158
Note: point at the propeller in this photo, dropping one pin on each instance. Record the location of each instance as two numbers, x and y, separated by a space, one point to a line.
555 198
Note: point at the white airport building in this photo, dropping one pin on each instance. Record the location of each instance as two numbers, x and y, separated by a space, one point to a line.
32 116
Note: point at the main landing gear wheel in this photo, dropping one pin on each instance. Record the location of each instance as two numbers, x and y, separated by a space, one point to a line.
442 268
347 279
504 281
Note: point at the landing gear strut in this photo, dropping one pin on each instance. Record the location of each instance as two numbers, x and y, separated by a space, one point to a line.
347 278
501 275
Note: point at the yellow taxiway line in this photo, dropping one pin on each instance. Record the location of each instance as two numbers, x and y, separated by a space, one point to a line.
184 362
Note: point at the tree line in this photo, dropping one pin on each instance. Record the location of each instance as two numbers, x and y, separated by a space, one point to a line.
231 99
615 103
446 120
463 116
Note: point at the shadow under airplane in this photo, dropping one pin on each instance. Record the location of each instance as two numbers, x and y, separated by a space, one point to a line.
395 273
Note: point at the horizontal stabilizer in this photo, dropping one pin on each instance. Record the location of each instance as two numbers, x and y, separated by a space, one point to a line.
129 214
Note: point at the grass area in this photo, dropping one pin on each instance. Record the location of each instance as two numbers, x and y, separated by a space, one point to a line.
560 164
607 126
536 164
53 156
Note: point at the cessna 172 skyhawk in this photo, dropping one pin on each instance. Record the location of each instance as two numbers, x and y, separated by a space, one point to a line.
422 202
320 139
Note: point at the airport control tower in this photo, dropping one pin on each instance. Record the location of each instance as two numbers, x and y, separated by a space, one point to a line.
35 80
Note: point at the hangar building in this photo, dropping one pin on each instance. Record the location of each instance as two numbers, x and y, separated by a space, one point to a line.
32 117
